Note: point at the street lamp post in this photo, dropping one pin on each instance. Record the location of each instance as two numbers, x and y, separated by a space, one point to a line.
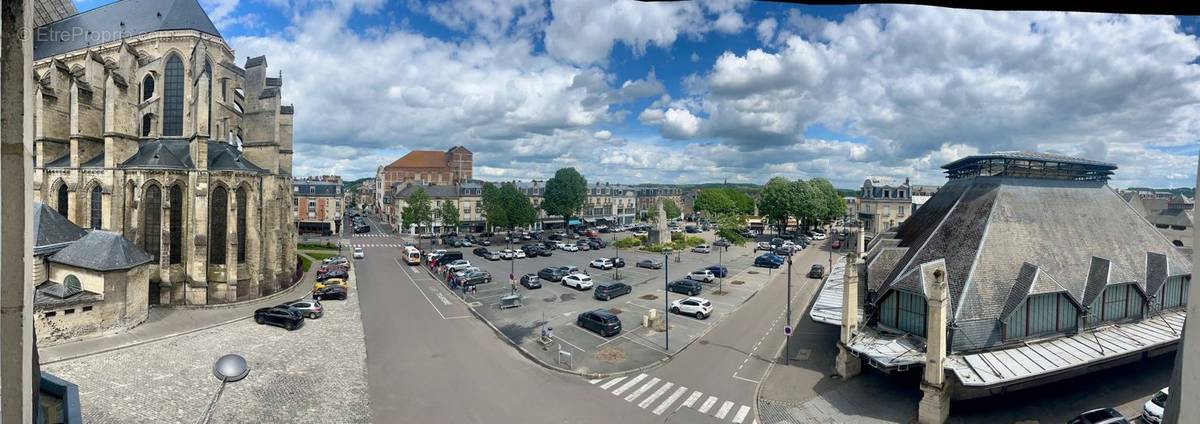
666 300
788 338
616 251
720 264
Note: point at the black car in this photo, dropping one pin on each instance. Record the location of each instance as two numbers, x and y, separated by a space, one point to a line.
777 242
600 321
333 273
552 274
531 250
597 243
607 291
362 229
817 271
545 251
549 245
555 237
617 262
531 281
688 287
1100 416
480 252
721 243
282 316
332 291
476 277
719 271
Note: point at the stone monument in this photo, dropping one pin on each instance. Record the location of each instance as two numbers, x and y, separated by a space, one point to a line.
660 233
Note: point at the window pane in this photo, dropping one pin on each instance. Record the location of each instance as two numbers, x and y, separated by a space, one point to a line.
176 224
63 201
217 229
96 212
152 207
173 97
241 225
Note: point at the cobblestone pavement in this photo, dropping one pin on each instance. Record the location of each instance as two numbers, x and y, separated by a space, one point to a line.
313 374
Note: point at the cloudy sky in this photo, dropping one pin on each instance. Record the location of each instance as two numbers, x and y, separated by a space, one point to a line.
704 91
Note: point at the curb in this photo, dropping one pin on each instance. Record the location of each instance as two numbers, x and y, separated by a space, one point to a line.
234 304
529 355
142 342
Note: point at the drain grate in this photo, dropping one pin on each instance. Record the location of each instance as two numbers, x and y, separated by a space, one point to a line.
648 297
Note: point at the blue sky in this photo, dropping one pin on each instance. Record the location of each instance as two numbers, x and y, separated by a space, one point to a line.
704 91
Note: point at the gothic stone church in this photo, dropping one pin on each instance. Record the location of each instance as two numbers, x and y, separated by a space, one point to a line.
146 127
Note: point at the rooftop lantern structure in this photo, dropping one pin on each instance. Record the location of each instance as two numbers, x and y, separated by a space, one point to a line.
1029 165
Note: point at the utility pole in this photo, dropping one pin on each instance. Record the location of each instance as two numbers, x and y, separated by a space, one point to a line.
666 304
617 251
788 338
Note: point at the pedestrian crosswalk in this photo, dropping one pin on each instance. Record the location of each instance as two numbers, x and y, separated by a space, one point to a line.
372 235
378 245
659 396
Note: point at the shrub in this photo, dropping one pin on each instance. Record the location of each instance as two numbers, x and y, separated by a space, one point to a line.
628 242
304 262
677 237
658 248
693 241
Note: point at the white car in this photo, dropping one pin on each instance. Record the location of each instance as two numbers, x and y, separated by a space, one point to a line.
698 307
1153 411
578 281
702 275
818 236
704 248
429 256
507 254
602 263
466 243
358 253
519 254
458 265
462 272
640 234
570 248
676 230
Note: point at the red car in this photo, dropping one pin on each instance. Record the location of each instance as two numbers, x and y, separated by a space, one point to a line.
837 244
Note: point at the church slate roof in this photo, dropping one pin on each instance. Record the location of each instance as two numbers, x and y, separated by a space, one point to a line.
226 157
1004 238
51 230
95 162
63 161
102 251
434 191
53 295
175 154
122 19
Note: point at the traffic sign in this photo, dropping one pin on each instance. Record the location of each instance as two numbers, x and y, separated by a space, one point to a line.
787 330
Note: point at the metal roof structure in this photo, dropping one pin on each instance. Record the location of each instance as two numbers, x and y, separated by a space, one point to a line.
119 20
102 251
1031 165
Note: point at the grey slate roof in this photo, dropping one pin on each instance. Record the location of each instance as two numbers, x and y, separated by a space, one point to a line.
102 251
315 188
52 295
1173 217
122 19
51 230
63 161
175 154
95 162
435 191
226 157
994 232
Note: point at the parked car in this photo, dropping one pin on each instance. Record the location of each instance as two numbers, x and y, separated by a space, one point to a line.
703 275
597 243
429 256
776 242
457 265
329 282
281 316
531 281
569 247
818 236
762 245
688 287
481 252
650 263
817 271
309 308
552 274
335 291
475 277
544 252
600 321
720 271
1152 412
768 260
721 243
1100 416
508 254
335 273
583 245
704 248
578 281
617 262
698 307
555 237
785 250
601 263
519 254
607 291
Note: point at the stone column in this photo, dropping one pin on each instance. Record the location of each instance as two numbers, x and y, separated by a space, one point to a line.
16 217
231 245
847 364
935 404
1185 379
254 230
196 287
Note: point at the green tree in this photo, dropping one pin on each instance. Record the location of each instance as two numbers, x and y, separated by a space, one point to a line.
565 194
713 202
670 208
780 198
494 210
520 211
449 215
418 211
729 228
742 202
834 206
810 206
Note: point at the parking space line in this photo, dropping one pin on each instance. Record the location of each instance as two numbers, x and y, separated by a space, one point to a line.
611 383
589 332
570 344
691 400
657 394
725 407
662 407
628 384
654 348
645 387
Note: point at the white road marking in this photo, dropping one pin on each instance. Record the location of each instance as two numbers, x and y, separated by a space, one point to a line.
628 384
642 389
595 381
691 400
708 404
725 407
741 414
662 407
611 383
657 394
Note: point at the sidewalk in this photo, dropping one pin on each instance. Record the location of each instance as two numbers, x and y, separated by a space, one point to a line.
165 322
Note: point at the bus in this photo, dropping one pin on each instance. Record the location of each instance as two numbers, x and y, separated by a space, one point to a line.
412 256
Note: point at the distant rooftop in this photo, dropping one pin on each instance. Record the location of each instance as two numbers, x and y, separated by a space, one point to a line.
1023 164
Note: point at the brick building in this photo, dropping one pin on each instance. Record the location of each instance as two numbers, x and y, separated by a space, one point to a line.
428 167
318 205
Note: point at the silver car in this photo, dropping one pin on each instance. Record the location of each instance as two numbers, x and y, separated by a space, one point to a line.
310 308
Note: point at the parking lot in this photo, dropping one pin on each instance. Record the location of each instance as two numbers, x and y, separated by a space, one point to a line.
556 306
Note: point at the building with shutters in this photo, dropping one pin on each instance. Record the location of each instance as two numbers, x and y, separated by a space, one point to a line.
319 205
150 129
1049 272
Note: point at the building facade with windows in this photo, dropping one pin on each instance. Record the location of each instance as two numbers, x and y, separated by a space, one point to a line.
883 203
428 167
1039 288
648 198
318 205
160 137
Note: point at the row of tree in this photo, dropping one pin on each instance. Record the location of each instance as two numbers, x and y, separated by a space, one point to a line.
812 202
504 206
